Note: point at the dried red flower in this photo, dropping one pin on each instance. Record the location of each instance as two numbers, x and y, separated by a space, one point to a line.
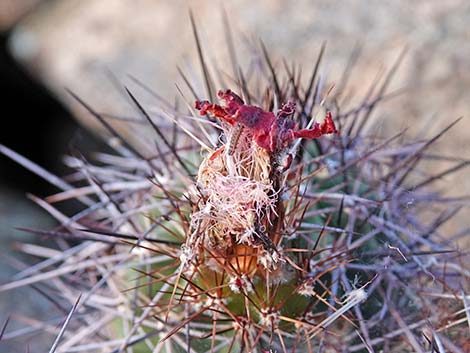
271 131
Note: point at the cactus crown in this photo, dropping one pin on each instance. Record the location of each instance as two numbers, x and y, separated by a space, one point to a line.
276 239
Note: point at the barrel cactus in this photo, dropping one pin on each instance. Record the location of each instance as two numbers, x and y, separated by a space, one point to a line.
251 227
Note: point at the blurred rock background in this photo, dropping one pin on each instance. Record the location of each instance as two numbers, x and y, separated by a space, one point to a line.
77 43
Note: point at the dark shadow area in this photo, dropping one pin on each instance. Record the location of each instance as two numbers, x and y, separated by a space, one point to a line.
33 123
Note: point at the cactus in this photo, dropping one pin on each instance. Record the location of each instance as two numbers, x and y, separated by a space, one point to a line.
250 227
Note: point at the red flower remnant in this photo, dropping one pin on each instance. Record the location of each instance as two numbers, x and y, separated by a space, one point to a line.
271 131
